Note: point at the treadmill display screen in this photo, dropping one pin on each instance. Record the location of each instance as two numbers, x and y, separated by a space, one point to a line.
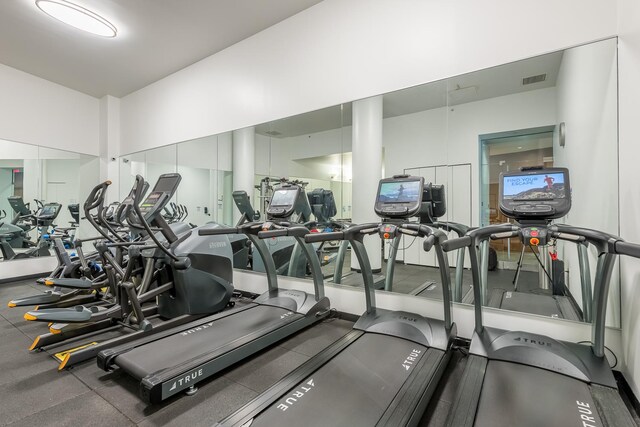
284 197
49 210
167 184
543 186
400 192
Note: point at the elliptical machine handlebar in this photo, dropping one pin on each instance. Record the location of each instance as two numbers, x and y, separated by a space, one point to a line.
218 231
96 197
138 194
96 200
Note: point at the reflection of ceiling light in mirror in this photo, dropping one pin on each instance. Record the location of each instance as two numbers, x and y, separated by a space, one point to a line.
78 17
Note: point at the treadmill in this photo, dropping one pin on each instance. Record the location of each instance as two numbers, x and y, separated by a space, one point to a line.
525 379
175 360
384 371
433 207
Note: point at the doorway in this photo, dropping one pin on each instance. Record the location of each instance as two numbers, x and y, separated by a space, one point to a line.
505 152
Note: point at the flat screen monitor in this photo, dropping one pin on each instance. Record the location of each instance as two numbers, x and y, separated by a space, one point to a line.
400 192
541 193
539 186
399 197
284 197
167 183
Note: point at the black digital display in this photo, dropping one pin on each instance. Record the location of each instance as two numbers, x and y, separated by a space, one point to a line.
400 192
167 184
284 197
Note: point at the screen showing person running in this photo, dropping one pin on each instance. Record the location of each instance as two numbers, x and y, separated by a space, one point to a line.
400 192
284 197
542 186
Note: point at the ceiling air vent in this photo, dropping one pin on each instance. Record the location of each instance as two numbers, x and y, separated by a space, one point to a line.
534 79
273 133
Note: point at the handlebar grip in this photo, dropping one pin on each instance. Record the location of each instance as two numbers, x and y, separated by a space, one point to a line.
454 244
96 197
429 242
627 248
218 231
505 235
324 237
273 233
139 189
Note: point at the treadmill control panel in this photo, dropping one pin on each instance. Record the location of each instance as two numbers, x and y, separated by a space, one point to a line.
388 231
534 236
537 193
399 197
284 200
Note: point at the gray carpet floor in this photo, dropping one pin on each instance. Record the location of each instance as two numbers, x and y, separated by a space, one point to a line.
35 393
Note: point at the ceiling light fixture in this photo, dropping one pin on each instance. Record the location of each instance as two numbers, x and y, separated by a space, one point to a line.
78 17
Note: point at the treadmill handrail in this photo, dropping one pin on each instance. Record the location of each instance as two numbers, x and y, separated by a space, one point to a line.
299 232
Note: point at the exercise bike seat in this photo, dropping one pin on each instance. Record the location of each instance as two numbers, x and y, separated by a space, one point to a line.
78 314
82 283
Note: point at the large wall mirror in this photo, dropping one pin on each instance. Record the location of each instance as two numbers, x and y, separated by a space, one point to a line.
557 109
311 150
460 133
41 195
204 164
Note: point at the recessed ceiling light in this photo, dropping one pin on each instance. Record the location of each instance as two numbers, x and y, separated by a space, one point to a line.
519 148
78 17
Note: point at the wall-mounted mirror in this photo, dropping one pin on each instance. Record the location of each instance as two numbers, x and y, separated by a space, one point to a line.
41 196
205 191
554 110
307 150
19 190
459 134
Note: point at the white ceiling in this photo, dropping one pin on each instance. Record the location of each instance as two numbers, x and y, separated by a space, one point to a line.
155 38
484 84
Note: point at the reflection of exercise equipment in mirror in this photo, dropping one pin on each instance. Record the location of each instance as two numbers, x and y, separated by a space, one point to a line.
533 364
551 297
16 232
385 370
43 218
433 207
287 255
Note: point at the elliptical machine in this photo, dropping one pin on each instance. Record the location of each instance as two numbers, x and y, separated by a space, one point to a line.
44 218
189 276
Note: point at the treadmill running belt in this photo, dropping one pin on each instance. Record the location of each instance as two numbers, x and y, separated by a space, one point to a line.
524 396
357 385
544 305
183 346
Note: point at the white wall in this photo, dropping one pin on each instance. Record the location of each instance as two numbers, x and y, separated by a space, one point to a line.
629 128
587 96
37 111
339 54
